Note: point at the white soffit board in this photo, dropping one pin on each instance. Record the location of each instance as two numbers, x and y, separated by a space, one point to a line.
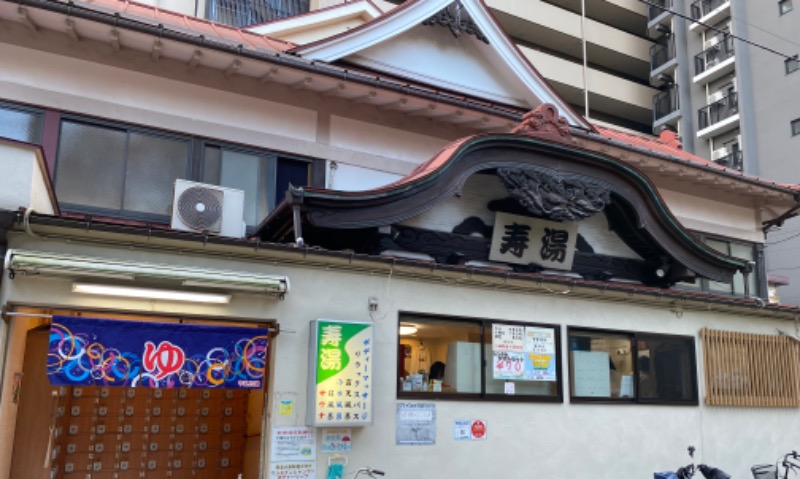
343 14
377 43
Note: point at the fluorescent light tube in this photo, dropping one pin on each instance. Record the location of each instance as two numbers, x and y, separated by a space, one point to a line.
407 329
150 293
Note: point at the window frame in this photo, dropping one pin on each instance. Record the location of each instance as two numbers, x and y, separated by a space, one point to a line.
759 273
36 112
128 129
636 336
484 325
195 163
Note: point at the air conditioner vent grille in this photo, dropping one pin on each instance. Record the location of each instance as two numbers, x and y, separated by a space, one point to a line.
200 208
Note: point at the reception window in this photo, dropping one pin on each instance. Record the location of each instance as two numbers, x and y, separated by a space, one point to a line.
623 366
454 358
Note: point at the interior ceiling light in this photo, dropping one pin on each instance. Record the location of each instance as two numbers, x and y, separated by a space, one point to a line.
407 329
150 293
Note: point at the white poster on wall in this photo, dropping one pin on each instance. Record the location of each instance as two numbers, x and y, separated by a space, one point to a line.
293 470
592 373
416 424
293 444
508 337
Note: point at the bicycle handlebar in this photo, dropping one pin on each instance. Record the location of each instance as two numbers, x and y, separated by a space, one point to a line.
368 471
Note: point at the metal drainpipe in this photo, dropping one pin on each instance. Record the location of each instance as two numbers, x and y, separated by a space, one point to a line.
7 219
684 78
744 90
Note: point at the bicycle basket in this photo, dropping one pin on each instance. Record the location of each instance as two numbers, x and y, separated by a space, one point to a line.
665 475
764 471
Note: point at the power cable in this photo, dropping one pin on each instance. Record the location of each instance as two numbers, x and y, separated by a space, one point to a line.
784 239
765 31
719 30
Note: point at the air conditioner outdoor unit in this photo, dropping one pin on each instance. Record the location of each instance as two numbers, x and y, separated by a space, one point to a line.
208 209
719 153
711 42
716 96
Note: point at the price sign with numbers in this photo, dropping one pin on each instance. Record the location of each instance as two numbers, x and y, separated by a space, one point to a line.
508 365
507 337
523 353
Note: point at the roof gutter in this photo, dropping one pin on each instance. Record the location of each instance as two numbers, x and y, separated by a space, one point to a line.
307 252
277 58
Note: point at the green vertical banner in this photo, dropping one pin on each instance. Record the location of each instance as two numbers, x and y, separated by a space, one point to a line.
340 379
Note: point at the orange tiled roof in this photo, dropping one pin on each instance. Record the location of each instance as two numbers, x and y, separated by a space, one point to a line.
669 144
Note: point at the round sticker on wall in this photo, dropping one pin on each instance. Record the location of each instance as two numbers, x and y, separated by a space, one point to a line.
478 429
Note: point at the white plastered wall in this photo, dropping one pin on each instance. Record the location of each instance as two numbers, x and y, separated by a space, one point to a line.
23 184
118 94
717 217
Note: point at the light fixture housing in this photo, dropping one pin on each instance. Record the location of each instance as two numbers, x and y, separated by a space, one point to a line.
23 262
407 329
150 293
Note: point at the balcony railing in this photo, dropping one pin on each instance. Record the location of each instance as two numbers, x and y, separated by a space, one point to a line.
732 160
665 103
713 55
657 7
719 110
701 8
661 53
242 13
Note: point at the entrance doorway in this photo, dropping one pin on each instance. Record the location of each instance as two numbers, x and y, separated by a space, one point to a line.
97 432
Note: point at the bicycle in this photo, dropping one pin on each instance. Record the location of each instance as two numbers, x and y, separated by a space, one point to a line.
687 472
369 472
790 462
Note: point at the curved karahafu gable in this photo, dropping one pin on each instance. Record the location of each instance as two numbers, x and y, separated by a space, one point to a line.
546 176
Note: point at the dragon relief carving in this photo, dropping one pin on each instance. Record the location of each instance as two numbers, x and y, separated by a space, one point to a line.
546 194
455 17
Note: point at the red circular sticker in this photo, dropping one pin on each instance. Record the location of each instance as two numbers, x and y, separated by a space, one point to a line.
478 429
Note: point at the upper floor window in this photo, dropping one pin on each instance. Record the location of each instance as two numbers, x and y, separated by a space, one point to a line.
242 13
629 367
796 127
454 358
738 249
117 169
785 6
20 123
126 171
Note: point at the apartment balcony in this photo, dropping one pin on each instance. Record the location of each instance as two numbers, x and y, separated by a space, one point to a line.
715 61
663 57
659 12
708 12
242 13
720 116
732 159
666 108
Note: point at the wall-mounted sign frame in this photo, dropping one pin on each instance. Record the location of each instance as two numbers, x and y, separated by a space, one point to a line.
340 373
